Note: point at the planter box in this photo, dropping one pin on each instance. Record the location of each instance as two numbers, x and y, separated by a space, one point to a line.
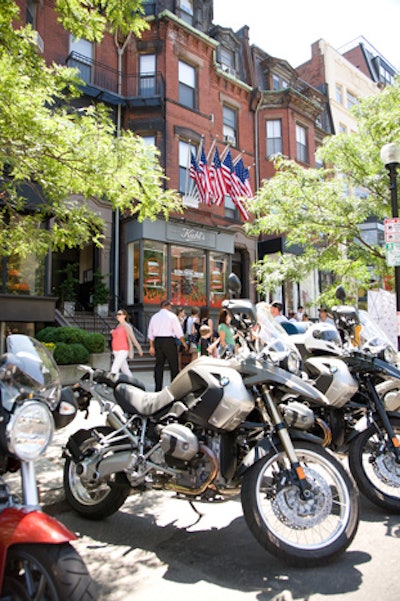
70 374
102 310
100 360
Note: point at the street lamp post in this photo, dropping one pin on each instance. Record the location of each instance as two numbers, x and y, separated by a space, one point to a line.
390 156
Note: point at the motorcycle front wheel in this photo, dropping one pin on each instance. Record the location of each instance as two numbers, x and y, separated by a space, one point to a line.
304 532
99 500
46 573
373 465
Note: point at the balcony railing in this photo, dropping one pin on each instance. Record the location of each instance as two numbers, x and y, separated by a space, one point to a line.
145 88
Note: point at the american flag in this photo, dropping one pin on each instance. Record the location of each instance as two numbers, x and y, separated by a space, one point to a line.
227 170
239 189
217 179
195 174
205 176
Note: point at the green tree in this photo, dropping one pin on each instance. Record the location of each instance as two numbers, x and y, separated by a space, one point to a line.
321 209
67 154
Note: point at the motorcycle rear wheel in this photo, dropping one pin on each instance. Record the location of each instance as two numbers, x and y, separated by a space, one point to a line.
97 502
304 533
46 573
373 465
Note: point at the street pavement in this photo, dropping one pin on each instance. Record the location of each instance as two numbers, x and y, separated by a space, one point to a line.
160 547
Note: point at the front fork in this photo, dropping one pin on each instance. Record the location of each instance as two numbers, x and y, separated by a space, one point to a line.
380 408
286 441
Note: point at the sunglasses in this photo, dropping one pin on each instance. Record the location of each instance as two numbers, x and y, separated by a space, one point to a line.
119 313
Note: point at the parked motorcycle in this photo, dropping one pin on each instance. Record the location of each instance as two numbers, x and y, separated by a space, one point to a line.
37 560
354 365
216 430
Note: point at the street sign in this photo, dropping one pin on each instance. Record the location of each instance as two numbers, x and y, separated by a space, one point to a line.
393 254
392 229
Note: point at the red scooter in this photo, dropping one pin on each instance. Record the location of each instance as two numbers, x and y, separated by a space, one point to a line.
37 560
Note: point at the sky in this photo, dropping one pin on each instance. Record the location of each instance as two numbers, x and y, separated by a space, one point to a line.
287 28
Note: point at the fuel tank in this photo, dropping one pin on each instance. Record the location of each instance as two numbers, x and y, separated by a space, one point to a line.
333 378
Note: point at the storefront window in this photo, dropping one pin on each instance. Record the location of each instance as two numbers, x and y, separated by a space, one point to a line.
188 276
218 279
23 276
154 272
133 270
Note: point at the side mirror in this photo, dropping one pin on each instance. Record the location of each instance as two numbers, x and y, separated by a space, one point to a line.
234 284
341 294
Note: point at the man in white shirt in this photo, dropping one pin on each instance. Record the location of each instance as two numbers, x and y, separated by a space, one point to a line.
163 331
276 311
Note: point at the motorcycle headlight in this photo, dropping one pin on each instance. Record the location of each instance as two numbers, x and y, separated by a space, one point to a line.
390 355
30 430
293 362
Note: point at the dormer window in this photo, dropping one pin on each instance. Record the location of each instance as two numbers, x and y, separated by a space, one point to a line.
278 82
227 60
186 11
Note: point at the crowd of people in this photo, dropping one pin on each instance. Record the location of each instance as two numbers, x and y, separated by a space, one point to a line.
177 337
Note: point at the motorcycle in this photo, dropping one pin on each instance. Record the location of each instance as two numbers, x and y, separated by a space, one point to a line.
354 365
214 432
37 560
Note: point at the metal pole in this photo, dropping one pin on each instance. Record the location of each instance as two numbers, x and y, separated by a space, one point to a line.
392 168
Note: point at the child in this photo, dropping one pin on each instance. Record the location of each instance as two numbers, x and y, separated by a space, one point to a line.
206 347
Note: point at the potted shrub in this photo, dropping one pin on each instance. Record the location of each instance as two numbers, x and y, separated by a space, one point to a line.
68 288
101 294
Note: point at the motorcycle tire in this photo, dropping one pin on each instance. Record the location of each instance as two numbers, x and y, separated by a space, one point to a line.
47 573
98 502
374 468
277 514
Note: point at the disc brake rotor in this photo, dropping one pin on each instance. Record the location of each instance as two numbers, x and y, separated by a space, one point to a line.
300 513
386 469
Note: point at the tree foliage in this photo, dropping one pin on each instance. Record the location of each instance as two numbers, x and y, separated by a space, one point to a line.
320 210
63 154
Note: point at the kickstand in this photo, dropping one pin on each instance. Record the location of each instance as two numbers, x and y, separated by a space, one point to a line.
196 511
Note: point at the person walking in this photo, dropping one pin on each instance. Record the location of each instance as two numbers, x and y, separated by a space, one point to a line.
226 334
122 342
206 346
163 331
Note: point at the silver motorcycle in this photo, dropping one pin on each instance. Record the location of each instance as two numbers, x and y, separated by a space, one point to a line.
216 431
354 365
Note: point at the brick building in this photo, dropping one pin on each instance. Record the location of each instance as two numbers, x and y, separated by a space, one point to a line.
186 83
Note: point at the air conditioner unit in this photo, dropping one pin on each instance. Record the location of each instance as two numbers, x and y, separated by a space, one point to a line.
39 41
230 140
228 69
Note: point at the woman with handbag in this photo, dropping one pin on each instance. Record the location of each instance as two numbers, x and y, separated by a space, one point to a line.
122 343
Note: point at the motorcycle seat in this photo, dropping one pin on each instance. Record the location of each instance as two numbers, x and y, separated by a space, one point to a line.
134 400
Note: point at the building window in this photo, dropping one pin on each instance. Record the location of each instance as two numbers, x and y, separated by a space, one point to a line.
230 209
385 76
147 75
82 57
278 82
186 184
342 128
301 144
154 272
351 99
149 139
187 85
229 117
227 60
274 137
31 13
188 276
149 7
23 277
218 278
339 94
186 11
